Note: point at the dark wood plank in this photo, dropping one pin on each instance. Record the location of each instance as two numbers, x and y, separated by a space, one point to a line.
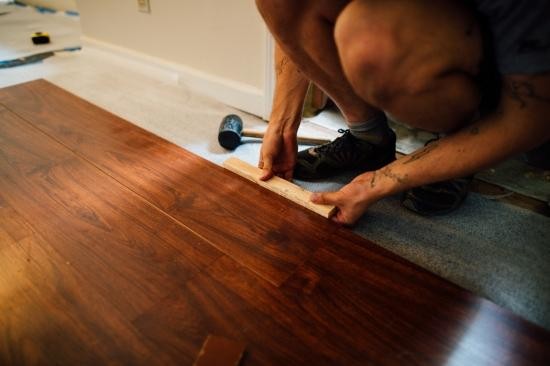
119 227
13 228
381 307
513 198
57 188
219 351
180 323
162 173
84 254
333 312
50 315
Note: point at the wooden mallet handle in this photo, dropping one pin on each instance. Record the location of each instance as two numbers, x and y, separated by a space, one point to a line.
307 140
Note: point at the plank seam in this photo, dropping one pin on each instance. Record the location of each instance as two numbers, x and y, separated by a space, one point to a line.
174 219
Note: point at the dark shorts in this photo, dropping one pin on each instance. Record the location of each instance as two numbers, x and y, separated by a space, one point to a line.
518 34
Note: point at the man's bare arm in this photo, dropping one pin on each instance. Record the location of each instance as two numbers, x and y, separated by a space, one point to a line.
521 123
290 92
279 148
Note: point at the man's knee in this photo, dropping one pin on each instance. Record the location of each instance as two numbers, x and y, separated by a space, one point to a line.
389 49
370 53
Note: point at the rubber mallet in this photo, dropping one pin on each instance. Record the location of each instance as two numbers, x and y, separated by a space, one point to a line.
231 131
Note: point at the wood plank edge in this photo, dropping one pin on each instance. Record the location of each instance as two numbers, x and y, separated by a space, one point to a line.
220 351
278 185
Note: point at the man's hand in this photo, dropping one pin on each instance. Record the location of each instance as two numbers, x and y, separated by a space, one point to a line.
278 153
352 200
520 123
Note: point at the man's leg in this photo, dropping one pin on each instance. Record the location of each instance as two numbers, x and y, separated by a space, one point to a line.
417 60
305 31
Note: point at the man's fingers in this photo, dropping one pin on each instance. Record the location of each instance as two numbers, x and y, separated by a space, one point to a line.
337 217
331 198
266 175
340 219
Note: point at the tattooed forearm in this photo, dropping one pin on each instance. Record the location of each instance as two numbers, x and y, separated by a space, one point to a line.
387 172
421 153
522 91
373 180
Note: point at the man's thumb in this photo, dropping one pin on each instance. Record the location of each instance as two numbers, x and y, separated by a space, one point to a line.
327 198
267 168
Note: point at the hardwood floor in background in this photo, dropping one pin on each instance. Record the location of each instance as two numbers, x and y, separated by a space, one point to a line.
119 247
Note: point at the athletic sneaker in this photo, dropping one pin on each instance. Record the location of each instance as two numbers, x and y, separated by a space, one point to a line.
343 154
438 198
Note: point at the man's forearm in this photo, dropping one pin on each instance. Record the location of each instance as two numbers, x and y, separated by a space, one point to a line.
457 155
521 123
290 91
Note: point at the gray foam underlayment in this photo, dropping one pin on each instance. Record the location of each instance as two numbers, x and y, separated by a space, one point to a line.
498 251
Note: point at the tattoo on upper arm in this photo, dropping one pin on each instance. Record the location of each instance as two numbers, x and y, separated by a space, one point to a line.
421 153
522 91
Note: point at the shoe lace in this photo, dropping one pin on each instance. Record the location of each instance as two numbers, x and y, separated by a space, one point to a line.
337 144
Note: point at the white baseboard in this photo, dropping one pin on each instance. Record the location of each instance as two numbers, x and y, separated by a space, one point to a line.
235 94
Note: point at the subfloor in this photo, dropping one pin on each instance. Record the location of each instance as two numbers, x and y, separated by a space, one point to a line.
496 249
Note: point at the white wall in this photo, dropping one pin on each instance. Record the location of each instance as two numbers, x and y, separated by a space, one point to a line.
53 4
224 41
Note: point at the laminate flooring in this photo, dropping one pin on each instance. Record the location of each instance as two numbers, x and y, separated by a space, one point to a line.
119 247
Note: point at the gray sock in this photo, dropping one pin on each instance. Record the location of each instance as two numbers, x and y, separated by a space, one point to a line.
375 130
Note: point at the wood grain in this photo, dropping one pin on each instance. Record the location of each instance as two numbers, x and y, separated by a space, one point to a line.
117 247
220 351
160 172
50 314
79 239
206 306
278 185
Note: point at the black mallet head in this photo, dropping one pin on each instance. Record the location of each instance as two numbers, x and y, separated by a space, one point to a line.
229 134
